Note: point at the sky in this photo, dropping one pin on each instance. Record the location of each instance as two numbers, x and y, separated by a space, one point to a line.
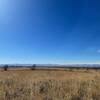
49 31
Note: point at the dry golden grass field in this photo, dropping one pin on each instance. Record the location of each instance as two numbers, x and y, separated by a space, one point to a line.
50 85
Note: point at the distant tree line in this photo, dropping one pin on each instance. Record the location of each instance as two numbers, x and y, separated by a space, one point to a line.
33 67
5 67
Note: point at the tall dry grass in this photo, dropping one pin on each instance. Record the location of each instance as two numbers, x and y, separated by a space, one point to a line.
50 85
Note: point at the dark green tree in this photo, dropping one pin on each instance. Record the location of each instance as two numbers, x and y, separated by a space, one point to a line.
5 67
33 67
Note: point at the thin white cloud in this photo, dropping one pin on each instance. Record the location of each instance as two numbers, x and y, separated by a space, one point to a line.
98 51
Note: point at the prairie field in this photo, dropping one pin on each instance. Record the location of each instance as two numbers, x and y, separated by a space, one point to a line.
50 85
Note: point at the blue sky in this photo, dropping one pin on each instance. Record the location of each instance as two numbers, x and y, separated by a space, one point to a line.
49 31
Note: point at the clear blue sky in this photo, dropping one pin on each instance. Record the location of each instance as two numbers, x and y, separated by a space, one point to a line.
50 31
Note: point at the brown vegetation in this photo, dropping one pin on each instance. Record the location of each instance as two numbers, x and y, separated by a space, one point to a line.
50 85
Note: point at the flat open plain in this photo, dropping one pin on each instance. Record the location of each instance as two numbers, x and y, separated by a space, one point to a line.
50 84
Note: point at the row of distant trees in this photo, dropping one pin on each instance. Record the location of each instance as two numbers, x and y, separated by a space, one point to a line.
33 67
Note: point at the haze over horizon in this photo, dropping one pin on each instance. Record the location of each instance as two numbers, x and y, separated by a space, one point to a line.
50 31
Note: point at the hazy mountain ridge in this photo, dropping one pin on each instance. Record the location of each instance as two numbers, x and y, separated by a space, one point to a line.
50 65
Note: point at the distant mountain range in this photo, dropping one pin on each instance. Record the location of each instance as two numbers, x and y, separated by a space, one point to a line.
51 65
